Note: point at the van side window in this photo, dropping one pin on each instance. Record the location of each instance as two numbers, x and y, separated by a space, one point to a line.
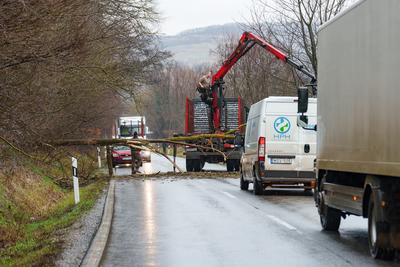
254 130
248 130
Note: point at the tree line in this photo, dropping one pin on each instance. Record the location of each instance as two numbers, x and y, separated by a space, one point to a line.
68 66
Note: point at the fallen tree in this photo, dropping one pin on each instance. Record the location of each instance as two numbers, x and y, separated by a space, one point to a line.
147 144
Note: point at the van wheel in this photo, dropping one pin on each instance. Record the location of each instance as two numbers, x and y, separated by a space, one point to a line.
257 187
244 185
374 234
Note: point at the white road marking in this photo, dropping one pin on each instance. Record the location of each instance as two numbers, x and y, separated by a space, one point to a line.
281 222
228 194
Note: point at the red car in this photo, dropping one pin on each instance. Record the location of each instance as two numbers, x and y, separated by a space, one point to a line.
122 155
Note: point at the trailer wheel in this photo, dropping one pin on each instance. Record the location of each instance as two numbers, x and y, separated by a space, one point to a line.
229 165
236 165
374 234
244 185
189 165
197 165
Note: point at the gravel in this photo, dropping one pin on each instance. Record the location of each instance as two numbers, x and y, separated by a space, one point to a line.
77 238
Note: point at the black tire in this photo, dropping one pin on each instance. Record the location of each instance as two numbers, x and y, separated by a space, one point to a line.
244 185
236 165
257 187
373 235
330 218
202 164
229 165
189 165
308 192
196 165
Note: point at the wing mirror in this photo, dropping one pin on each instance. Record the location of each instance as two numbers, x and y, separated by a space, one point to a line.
302 104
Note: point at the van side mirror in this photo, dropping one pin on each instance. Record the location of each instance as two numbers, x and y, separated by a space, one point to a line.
302 104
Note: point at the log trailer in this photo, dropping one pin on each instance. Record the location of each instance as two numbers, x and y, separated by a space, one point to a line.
212 113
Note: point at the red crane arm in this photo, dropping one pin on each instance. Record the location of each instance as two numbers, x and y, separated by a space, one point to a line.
214 96
246 42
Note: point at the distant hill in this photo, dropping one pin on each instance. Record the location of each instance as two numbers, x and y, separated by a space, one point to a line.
193 47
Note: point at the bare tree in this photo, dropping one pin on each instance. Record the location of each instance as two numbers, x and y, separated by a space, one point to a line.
293 25
256 75
67 66
164 100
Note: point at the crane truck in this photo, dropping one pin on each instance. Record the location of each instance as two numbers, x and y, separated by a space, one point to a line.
358 154
212 113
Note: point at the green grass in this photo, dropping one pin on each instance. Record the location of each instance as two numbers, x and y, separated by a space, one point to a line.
39 243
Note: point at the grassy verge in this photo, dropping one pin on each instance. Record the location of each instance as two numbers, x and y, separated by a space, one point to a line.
33 212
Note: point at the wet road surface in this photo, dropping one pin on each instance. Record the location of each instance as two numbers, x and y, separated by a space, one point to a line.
160 164
211 222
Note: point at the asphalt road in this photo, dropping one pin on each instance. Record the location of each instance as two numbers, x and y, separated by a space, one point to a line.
211 222
160 164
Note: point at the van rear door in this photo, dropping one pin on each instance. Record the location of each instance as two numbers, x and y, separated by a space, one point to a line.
282 136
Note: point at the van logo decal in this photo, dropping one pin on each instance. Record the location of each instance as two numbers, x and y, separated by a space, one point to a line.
282 125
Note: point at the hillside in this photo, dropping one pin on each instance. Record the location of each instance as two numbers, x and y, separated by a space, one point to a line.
194 46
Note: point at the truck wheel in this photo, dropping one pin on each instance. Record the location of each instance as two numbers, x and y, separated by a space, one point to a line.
189 165
196 165
329 217
229 165
236 165
244 185
257 187
374 234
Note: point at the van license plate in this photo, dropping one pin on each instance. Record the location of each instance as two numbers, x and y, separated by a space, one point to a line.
281 161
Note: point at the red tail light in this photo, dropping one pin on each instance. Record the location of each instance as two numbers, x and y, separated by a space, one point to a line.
261 148
229 146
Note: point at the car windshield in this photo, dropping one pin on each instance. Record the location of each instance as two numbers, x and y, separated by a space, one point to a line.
121 148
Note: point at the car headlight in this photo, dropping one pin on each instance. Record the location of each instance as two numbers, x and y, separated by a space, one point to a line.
115 155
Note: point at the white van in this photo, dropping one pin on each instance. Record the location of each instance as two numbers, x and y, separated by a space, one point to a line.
277 151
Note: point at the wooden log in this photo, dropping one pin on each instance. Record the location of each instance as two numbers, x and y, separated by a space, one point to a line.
105 142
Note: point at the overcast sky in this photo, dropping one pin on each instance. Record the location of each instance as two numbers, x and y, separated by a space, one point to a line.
179 15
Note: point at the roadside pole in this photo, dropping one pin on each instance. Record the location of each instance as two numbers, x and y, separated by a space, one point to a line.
174 157
75 179
109 161
98 157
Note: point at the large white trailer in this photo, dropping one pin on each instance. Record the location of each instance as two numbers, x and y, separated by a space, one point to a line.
358 150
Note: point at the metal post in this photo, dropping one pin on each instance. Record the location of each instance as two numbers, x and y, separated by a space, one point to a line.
75 179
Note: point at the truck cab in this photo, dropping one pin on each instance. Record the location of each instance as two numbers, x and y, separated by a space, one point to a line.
277 151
